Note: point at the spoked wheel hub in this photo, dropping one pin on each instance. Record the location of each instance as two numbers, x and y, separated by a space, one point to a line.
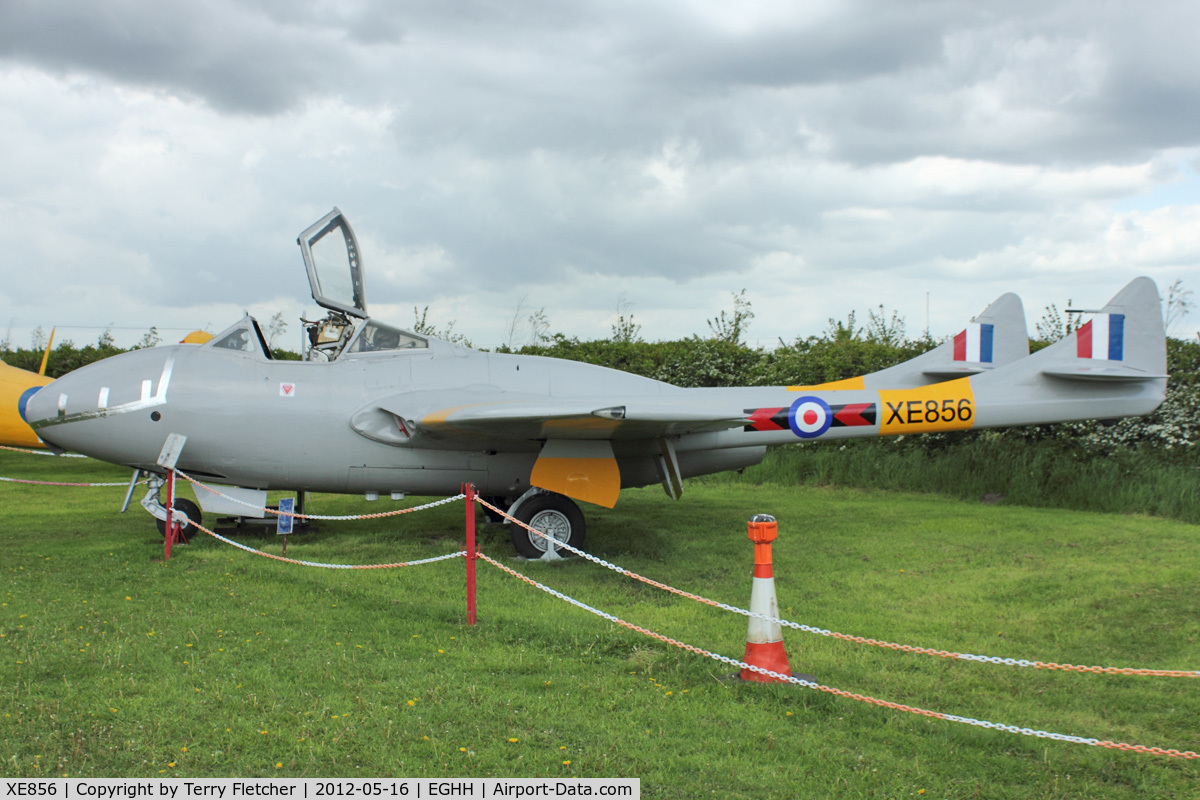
554 515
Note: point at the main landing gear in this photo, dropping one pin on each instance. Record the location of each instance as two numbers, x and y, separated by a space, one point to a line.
553 514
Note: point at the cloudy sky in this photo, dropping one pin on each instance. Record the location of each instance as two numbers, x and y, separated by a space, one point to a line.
157 160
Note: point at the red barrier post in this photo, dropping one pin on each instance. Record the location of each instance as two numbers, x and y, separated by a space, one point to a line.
469 490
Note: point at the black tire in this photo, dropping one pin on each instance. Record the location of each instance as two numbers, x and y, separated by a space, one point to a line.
193 514
553 514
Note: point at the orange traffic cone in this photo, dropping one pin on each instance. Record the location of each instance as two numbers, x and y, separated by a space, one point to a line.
764 640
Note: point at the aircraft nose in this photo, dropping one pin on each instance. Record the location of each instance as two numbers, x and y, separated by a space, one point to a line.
23 401
37 410
93 410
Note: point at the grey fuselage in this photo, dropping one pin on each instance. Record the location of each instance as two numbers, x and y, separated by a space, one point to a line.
272 424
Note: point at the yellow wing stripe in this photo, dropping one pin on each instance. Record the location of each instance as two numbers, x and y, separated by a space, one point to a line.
845 385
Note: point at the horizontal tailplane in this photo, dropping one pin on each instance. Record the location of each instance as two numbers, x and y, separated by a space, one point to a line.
1114 365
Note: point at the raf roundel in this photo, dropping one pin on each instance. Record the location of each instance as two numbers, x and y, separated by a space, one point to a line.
809 417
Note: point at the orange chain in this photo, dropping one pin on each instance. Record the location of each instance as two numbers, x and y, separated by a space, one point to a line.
1049 665
1136 748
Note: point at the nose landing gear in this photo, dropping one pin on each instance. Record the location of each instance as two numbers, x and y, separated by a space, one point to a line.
184 511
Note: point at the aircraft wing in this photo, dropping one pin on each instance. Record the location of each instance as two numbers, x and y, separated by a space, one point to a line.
476 417
573 436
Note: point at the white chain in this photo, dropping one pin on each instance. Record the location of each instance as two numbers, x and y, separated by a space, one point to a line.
1061 737
1012 662
249 549
335 518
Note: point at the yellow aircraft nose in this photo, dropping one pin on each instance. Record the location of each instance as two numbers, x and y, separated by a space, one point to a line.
16 387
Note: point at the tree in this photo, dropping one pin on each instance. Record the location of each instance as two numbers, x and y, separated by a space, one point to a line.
149 339
1178 304
1052 327
275 328
537 322
883 330
837 331
730 328
625 329
539 328
423 326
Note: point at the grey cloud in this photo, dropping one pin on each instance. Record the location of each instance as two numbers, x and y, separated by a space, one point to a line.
533 141
858 41
233 59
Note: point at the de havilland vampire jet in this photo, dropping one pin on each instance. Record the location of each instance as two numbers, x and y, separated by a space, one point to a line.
374 409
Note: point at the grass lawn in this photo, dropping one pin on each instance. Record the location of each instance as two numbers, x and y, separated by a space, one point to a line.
219 663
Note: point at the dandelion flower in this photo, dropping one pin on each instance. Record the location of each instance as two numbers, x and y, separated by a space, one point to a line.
513 740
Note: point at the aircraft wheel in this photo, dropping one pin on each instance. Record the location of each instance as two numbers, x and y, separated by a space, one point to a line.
553 514
193 514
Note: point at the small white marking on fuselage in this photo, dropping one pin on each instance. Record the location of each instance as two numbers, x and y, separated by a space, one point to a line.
164 380
147 401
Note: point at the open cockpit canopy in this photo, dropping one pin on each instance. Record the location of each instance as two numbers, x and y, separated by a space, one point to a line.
330 253
331 257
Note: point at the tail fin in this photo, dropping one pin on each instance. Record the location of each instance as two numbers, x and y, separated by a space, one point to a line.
1115 365
993 339
1124 341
